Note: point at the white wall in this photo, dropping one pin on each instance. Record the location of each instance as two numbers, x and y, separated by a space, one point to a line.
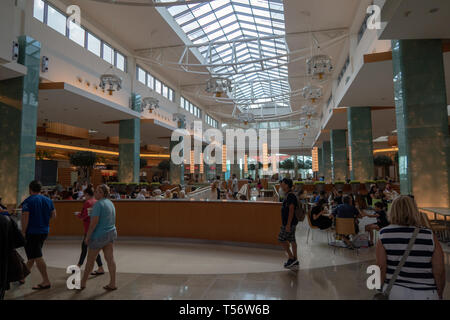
8 29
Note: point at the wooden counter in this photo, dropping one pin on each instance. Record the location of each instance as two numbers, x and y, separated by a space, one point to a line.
234 221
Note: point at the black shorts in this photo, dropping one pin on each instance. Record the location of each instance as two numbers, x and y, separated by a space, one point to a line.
34 244
284 236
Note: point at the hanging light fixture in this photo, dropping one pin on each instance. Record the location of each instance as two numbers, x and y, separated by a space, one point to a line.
319 66
246 118
312 93
110 82
150 103
218 86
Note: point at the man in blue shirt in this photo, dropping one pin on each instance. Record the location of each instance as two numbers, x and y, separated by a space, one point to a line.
37 211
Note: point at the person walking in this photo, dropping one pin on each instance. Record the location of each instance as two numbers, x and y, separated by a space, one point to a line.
409 238
101 236
37 211
84 216
288 224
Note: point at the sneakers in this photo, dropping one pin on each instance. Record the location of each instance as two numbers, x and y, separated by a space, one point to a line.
291 263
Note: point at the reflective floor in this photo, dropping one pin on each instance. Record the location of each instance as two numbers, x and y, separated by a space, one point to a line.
149 269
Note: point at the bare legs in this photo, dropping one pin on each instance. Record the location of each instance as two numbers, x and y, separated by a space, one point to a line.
92 255
42 267
108 252
290 248
109 257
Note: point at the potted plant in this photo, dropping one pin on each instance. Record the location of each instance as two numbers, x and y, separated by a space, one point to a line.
320 185
339 185
154 185
120 187
355 184
298 186
85 160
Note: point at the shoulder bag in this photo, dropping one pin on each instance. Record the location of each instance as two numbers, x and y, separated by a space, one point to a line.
385 295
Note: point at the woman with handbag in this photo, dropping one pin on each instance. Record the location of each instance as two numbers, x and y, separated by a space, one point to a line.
409 255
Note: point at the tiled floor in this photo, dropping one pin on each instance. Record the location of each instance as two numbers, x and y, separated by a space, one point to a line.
173 270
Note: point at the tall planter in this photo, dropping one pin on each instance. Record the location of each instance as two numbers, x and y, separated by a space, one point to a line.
339 186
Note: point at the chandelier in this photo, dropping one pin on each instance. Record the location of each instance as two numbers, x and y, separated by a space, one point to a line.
246 118
110 82
319 66
218 86
312 93
150 103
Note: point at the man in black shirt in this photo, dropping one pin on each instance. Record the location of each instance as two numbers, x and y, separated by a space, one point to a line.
288 224
338 199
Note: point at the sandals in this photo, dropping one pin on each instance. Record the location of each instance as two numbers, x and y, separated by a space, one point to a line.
96 273
41 287
108 288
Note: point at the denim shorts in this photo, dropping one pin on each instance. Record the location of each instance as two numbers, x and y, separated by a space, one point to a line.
102 241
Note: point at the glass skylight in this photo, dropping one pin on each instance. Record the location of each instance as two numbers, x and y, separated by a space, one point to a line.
261 24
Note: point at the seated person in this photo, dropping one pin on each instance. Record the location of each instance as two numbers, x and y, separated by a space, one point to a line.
141 194
182 194
382 221
313 198
338 199
347 210
390 193
157 194
318 216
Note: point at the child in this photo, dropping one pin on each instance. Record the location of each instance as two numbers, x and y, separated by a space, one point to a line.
382 221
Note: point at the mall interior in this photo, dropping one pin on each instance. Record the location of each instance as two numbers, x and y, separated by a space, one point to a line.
343 96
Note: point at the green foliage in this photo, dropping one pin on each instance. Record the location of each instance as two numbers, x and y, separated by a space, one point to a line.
83 159
355 182
43 154
319 182
339 182
381 181
287 164
383 161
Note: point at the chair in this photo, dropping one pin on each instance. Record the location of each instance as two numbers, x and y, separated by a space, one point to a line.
311 227
345 227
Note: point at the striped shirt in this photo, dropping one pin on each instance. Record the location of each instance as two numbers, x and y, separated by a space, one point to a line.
417 271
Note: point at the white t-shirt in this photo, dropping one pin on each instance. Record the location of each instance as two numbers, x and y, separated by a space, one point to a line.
235 186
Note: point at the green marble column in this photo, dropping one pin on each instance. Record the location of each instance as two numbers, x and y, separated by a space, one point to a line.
338 154
326 160
129 150
18 118
176 173
320 160
360 142
422 121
